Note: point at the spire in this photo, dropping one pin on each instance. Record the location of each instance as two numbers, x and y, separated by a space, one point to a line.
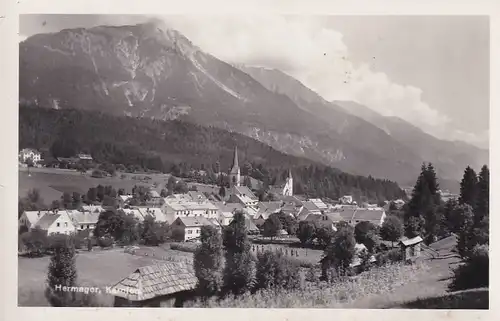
235 160
290 173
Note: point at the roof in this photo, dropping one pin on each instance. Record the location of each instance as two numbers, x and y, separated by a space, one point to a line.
229 207
155 212
347 214
412 241
83 217
267 208
135 212
194 221
154 194
33 216
365 214
156 280
47 220
311 206
245 191
195 196
319 203
93 208
125 198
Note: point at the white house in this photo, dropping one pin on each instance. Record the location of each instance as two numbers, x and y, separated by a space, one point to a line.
29 218
185 206
28 153
191 226
84 220
56 222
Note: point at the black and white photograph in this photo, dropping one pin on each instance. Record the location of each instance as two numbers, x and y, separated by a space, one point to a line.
271 161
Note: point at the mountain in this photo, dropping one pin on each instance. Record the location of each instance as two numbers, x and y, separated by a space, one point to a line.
409 141
178 147
450 157
150 72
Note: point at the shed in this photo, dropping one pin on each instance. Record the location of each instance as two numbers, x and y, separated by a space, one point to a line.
160 285
410 248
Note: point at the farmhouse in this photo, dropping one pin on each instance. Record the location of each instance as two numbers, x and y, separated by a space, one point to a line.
354 216
325 219
123 200
84 220
162 285
29 218
191 226
154 212
28 153
56 222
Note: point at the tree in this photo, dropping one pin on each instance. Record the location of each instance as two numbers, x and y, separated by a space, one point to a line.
272 226
66 200
163 193
361 231
468 188
181 187
288 222
275 271
35 241
76 199
340 252
152 232
61 273
208 262
239 272
392 229
474 273
306 232
324 236
483 195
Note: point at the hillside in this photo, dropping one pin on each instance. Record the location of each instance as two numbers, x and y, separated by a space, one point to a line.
409 143
159 145
149 72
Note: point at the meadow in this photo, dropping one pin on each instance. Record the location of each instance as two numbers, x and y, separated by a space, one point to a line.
53 182
100 268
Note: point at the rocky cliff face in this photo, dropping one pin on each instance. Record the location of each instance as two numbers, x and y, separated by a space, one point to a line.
147 71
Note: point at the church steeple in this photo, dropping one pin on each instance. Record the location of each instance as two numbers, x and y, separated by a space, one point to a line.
234 174
288 189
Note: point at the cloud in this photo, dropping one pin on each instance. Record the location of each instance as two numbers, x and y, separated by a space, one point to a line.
317 56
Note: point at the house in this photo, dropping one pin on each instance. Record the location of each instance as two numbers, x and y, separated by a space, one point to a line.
56 222
328 220
243 195
185 206
191 226
346 199
93 208
264 209
319 204
84 220
160 285
124 200
84 158
29 153
411 248
354 216
357 260
29 218
154 212
134 212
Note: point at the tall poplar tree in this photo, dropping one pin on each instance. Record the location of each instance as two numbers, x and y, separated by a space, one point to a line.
483 195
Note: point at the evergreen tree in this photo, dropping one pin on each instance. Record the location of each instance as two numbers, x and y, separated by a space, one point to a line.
468 188
306 232
239 272
483 195
208 262
61 273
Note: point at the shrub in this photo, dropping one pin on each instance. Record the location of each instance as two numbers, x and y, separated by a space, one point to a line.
276 271
184 247
391 256
474 273
98 173
61 272
35 241
105 241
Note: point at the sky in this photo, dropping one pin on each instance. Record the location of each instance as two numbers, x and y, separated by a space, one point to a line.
432 71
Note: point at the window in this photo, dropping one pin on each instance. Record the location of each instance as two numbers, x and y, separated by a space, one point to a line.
189 232
198 231
58 224
65 224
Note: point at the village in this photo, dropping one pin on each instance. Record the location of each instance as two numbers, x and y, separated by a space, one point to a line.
294 226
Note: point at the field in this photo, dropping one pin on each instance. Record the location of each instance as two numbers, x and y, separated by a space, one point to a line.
308 256
53 182
96 269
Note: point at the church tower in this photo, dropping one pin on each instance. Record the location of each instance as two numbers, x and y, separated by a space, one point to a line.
288 189
234 174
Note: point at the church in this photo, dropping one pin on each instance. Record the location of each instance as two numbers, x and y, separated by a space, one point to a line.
243 192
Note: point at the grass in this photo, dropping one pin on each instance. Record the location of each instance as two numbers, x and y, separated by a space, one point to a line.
476 299
53 182
378 281
96 269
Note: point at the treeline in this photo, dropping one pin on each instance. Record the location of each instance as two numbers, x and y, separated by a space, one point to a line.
184 149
